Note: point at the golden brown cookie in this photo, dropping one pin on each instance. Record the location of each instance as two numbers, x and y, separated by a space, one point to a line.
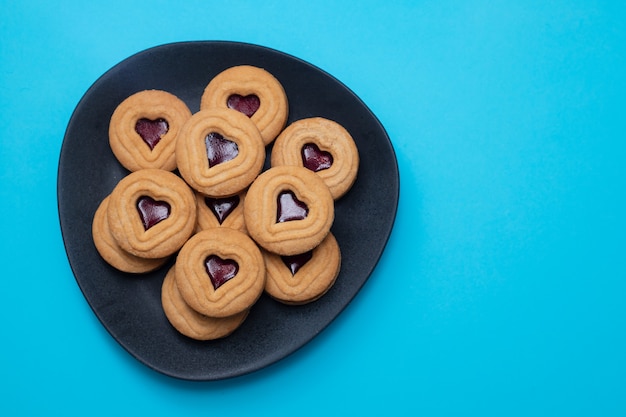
143 130
288 210
219 152
188 321
220 212
324 147
254 92
111 252
305 277
220 272
151 213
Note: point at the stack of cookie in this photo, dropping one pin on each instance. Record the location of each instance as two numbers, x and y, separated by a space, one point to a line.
197 191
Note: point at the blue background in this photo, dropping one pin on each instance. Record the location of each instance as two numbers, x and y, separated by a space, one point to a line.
502 288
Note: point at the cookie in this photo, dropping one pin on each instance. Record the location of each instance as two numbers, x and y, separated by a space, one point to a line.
323 146
188 321
254 92
220 272
220 212
288 210
219 152
305 277
151 213
111 252
144 127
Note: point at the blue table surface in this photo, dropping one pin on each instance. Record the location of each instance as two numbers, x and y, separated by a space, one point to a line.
502 288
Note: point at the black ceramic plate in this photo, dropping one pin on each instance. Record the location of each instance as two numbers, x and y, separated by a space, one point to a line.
128 306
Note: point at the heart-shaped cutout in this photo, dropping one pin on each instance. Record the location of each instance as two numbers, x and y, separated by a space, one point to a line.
151 211
222 207
295 262
247 105
220 270
219 149
315 159
151 131
290 208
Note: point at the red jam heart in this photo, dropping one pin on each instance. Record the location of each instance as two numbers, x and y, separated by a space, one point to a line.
151 211
220 270
295 262
222 207
290 208
219 149
247 105
315 159
151 131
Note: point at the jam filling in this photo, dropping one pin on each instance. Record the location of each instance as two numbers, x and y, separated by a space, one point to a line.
151 211
247 105
315 159
219 149
290 208
295 262
222 207
151 131
220 270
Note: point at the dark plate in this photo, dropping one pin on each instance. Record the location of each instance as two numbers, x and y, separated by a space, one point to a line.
128 306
